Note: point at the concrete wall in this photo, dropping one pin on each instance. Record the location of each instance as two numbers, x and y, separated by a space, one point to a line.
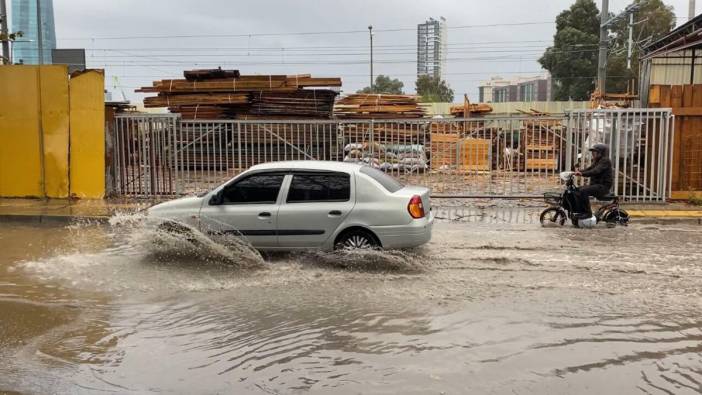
38 111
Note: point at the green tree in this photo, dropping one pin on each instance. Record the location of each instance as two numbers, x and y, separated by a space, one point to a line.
432 89
385 84
9 37
572 60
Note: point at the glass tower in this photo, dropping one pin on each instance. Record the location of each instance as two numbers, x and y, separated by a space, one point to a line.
24 19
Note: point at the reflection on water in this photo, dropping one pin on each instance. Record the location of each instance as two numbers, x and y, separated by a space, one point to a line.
497 307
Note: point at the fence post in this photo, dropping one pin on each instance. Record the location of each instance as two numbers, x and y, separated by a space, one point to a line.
671 119
175 128
238 144
372 141
616 139
569 142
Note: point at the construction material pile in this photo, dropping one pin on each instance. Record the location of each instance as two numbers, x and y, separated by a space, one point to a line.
470 109
226 94
378 106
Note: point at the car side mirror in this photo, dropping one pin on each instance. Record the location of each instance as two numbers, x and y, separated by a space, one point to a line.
217 199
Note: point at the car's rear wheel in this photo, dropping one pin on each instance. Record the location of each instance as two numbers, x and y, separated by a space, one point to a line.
356 239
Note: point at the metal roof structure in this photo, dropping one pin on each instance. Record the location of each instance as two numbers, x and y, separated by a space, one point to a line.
687 36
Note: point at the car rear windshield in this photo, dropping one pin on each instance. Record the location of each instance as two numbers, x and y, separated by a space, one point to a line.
389 183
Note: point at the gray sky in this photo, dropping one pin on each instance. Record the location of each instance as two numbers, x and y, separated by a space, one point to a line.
139 41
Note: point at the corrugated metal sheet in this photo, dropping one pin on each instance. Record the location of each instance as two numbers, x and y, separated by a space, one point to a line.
676 68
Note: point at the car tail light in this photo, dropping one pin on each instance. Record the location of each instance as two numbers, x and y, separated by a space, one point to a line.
415 207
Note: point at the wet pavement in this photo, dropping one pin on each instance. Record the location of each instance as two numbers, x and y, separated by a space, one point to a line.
494 304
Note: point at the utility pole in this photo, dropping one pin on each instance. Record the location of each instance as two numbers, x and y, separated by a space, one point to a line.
40 38
691 10
4 33
602 60
631 40
370 33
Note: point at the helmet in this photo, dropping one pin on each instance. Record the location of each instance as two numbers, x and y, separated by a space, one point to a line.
602 149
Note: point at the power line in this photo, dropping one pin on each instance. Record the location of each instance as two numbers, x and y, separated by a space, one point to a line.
290 48
278 55
341 32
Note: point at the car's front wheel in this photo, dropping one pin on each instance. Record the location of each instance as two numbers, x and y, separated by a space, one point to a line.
356 239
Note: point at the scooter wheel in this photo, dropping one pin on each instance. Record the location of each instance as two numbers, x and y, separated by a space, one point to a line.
553 216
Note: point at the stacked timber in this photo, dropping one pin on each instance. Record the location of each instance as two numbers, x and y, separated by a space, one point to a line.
542 139
226 94
210 74
300 103
470 109
378 106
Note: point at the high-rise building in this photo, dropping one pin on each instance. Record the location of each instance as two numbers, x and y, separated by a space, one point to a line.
432 48
24 18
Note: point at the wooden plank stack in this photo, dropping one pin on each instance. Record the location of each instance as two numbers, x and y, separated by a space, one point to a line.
453 152
541 138
300 103
470 109
223 94
378 106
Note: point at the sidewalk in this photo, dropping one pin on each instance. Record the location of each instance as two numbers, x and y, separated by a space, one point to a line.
65 210
60 210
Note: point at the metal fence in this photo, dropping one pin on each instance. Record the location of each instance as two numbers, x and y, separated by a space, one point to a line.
483 157
641 145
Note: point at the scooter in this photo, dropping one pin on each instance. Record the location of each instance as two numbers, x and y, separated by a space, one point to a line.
563 207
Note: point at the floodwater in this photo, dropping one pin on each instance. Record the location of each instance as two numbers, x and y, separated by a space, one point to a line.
494 304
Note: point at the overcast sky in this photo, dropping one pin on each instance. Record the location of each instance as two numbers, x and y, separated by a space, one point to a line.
139 41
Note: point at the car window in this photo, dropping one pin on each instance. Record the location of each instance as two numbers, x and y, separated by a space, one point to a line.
389 183
335 187
261 188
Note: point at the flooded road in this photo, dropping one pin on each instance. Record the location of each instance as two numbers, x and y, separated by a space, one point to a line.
492 305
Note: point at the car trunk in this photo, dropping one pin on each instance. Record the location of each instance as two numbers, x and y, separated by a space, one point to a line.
410 190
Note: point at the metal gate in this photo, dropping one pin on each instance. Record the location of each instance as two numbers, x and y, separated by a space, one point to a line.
641 148
482 157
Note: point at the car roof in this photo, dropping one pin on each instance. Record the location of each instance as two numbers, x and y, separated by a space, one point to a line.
309 165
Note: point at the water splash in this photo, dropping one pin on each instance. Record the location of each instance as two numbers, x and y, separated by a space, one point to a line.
368 260
181 243
129 254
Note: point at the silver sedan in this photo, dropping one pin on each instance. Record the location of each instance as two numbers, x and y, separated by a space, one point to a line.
309 204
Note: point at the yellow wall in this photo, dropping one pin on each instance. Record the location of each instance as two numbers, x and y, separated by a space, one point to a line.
54 116
35 132
20 164
88 135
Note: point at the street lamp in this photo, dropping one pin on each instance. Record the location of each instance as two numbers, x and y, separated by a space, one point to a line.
370 33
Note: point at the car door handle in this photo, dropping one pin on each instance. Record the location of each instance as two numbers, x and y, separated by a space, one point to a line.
335 213
264 214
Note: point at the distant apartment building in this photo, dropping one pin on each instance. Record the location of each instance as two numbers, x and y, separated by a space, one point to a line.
25 19
525 89
432 48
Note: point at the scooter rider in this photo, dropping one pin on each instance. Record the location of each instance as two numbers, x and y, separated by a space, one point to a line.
600 174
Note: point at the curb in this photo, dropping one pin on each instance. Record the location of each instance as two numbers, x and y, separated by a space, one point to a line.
668 220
